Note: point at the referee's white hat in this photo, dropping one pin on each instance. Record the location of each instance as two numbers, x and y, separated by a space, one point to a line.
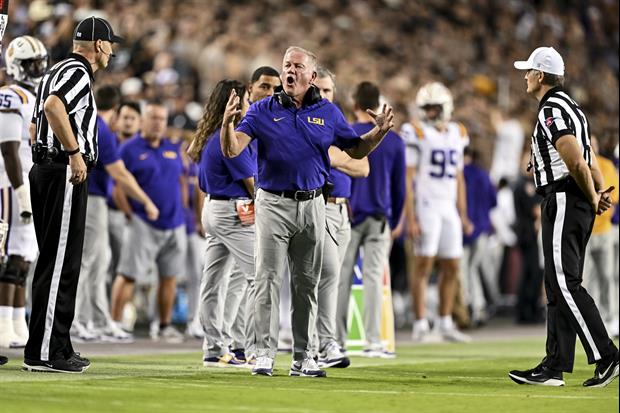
545 59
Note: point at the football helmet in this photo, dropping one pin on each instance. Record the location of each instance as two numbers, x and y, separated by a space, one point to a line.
435 94
26 60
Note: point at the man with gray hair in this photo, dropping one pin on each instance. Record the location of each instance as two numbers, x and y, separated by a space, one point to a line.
294 129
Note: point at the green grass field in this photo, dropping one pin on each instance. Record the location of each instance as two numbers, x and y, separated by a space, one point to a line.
426 378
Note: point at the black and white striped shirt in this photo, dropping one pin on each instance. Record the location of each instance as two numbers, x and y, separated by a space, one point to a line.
71 81
558 115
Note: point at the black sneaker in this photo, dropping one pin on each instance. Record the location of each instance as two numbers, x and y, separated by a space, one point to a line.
539 375
78 360
3 360
604 373
55 366
239 354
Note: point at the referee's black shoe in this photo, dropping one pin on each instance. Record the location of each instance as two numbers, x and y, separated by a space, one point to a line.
539 375
53 366
3 360
76 359
604 373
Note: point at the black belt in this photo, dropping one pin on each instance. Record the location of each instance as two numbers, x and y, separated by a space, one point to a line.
563 185
63 159
220 197
297 195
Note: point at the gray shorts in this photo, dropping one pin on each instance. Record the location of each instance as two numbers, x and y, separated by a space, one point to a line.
144 245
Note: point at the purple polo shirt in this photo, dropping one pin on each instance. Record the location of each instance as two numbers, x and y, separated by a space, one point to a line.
293 143
382 192
158 171
222 176
341 182
481 198
98 179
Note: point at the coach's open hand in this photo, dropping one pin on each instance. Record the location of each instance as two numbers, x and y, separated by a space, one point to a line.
232 108
384 120
78 169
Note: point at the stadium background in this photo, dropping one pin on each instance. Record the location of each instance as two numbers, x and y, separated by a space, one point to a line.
178 50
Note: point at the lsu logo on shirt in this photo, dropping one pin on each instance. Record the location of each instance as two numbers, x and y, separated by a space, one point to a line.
170 154
316 121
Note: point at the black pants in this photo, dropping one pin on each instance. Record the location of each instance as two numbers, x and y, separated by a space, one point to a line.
59 215
529 308
567 220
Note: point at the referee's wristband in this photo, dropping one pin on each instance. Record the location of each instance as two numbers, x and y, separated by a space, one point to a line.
73 152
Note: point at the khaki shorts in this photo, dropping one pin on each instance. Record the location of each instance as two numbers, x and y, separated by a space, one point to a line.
145 245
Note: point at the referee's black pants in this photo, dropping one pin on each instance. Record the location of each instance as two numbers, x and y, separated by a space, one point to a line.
59 215
567 220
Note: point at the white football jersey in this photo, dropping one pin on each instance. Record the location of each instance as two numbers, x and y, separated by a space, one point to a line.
437 156
16 108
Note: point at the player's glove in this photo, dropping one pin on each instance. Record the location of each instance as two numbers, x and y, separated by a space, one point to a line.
24 204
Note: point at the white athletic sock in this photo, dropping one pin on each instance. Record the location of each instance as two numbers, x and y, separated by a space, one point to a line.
446 323
19 313
6 312
19 322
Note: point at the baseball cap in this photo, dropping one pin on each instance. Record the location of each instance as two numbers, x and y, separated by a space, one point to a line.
95 28
545 59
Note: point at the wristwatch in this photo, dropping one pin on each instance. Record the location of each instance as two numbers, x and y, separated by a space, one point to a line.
73 152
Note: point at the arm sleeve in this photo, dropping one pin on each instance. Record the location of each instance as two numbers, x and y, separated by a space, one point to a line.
555 122
71 87
398 183
242 166
108 150
344 135
249 122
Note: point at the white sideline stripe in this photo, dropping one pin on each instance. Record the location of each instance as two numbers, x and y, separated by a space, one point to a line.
387 392
212 384
60 258
558 229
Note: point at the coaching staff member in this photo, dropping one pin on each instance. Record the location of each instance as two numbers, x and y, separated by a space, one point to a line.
294 129
567 175
64 148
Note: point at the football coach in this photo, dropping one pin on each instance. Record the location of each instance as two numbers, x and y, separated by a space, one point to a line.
294 129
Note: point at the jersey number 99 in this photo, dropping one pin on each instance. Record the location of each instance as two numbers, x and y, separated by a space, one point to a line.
444 163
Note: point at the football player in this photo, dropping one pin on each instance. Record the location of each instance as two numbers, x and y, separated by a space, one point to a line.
436 205
26 62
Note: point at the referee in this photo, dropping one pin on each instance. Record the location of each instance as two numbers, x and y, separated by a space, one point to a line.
64 149
567 175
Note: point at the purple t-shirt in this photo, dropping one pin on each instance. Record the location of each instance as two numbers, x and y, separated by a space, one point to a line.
222 176
382 192
293 143
481 198
158 171
99 179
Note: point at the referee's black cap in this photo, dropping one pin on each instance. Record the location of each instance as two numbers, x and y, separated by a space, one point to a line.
95 28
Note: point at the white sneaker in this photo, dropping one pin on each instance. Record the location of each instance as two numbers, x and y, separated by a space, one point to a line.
8 338
171 335
454 335
115 334
194 329
421 332
306 368
263 366
80 334
331 356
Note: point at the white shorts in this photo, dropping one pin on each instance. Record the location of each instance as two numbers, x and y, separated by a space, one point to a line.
21 240
442 231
